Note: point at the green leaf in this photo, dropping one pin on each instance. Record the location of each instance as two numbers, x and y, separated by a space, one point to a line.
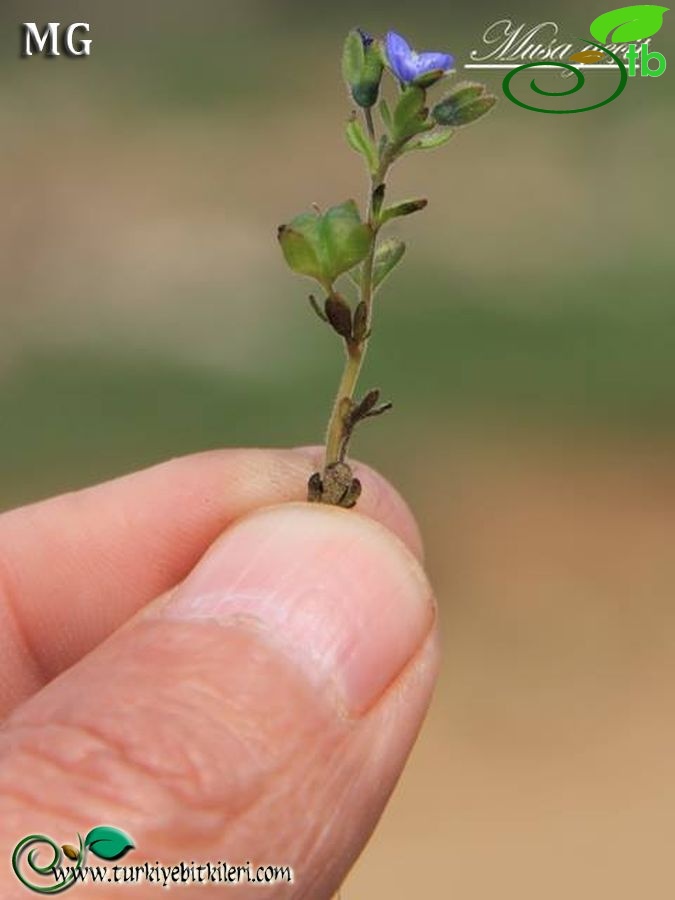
359 141
464 105
467 91
410 114
324 246
353 58
406 208
345 239
299 241
628 24
476 109
387 256
385 113
432 139
107 842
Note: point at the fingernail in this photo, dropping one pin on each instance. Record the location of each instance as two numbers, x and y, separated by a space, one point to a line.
335 591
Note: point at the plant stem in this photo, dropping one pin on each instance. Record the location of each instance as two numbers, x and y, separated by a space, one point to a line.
350 376
370 125
355 353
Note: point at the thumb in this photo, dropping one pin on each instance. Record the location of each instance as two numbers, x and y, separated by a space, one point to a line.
261 712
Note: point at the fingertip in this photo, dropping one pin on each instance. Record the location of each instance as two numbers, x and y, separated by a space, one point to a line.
380 500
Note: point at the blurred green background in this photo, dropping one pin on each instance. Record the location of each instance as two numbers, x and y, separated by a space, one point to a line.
527 342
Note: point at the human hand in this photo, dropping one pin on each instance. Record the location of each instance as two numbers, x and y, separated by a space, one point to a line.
220 672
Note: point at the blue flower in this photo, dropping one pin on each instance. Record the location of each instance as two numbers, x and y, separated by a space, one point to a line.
408 65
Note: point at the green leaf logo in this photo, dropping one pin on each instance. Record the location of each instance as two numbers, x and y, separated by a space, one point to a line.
107 842
628 24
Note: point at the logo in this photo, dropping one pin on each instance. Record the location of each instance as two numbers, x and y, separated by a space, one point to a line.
65 865
47 42
622 39
105 842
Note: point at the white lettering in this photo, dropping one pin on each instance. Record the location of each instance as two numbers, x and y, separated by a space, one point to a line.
34 38
84 46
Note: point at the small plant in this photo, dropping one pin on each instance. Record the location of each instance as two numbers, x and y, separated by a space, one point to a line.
339 243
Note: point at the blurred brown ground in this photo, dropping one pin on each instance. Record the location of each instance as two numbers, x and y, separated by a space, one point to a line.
545 769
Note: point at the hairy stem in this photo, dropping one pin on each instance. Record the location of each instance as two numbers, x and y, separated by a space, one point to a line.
335 438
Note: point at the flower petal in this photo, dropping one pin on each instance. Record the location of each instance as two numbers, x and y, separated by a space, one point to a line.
408 65
399 55
431 62
408 70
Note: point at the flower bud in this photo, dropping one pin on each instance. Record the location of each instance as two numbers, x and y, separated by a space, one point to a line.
362 67
467 103
339 315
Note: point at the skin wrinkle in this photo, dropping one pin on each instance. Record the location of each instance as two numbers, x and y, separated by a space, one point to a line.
286 798
268 770
59 771
338 809
9 598
37 805
333 811
279 788
309 768
302 843
102 743
346 768
240 738
37 808
179 801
